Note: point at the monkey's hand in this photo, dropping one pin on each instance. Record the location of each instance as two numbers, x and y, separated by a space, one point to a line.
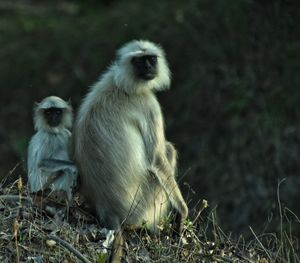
173 192
178 223
71 170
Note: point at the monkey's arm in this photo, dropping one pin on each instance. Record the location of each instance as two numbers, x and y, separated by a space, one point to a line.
162 163
152 132
55 165
54 161
167 180
63 174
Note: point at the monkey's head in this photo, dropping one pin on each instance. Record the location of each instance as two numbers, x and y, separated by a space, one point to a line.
141 65
52 114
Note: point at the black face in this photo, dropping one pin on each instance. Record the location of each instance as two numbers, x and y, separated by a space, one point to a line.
53 116
145 67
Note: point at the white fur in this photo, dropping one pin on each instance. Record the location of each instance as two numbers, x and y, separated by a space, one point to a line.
50 143
118 126
123 73
50 102
45 145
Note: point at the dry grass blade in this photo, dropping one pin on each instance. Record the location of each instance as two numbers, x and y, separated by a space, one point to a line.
262 246
25 227
16 198
16 234
70 248
203 206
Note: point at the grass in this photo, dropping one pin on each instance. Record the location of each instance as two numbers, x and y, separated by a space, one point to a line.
40 230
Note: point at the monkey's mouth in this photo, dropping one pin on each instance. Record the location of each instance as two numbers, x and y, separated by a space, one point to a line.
53 123
148 76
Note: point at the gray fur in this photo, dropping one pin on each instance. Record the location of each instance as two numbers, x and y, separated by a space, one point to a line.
48 151
119 134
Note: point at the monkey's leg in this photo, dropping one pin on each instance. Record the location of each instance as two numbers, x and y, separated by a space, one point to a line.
52 178
117 248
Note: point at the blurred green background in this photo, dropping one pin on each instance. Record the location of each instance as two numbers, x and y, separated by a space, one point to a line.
233 110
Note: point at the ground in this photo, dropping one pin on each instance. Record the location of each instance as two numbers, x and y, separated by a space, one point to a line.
41 229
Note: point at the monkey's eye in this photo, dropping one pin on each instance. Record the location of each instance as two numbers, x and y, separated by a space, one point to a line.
152 60
136 60
53 111
47 112
58 111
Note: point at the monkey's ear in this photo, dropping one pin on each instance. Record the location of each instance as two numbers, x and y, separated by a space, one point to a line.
118 58
69 101
36 105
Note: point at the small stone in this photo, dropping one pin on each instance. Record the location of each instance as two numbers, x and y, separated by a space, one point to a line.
50 243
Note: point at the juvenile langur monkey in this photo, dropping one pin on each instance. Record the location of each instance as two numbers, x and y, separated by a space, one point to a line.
127 167
49 164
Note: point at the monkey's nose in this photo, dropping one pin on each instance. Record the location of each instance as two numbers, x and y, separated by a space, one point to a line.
148 65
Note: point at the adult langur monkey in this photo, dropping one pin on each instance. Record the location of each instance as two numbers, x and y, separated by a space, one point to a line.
49 163
127 167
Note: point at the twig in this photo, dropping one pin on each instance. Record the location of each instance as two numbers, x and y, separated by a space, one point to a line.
10 173
16 198
131 209
70 248
290 211
262 246
203 206
281 217
15 233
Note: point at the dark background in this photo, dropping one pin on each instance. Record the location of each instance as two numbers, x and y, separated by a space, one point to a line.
233 110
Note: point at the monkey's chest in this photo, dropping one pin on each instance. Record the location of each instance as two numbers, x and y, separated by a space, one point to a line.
55 148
